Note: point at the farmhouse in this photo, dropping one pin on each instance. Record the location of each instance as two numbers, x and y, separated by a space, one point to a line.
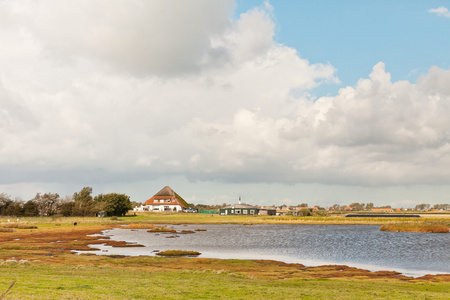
166 200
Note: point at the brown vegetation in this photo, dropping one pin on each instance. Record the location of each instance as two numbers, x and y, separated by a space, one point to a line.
18 226
416 227
54 245
161 229
178 253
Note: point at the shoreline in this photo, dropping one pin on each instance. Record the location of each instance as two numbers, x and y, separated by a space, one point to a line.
146 251
54 241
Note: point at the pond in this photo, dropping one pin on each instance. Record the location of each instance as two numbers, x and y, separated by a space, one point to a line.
361 246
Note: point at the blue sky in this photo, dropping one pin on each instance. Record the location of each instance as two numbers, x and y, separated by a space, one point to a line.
355 35
280 102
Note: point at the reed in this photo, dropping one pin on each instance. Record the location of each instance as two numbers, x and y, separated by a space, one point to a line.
416 227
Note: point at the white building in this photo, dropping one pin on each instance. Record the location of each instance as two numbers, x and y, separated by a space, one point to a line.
166 200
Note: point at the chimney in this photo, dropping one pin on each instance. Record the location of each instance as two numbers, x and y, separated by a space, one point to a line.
239 199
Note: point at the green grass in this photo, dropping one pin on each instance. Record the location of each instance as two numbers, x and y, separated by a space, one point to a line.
184 218
104 282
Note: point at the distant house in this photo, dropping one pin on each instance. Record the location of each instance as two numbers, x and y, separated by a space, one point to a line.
244 209
382 209
166 200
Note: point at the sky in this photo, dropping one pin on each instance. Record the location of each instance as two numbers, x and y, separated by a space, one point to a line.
276 102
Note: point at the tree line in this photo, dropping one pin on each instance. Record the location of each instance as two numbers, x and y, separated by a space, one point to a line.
82 203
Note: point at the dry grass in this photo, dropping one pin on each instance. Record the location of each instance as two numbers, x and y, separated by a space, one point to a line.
162 229
178 253
416 227
18 226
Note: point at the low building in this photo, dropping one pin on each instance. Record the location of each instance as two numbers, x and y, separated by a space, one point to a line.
166 200
244 209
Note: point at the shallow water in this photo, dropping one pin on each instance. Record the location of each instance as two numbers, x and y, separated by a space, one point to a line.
413 254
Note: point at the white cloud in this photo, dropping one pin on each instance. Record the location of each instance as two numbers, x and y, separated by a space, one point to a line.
378 133
101 91
440 11
138 37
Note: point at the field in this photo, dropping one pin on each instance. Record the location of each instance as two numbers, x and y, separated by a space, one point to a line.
38 263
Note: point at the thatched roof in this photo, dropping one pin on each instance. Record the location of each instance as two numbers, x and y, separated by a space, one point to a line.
167 191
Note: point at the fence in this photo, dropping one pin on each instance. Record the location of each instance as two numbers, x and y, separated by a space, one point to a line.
208 212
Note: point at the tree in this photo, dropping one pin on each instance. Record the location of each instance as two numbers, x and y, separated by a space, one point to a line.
135 204
357 206
369 206
84 203
15 208
47 203
335 207
422 206
303 205
31 209
67 208
5 201
113 204
442 206
305 212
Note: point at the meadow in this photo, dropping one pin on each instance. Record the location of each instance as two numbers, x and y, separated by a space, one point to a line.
38 263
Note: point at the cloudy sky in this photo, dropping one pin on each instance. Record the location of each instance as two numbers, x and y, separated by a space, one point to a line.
279 102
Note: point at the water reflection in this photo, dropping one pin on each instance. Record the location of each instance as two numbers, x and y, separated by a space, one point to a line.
412 254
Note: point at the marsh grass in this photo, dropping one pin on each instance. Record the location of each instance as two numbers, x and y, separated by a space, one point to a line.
178 253
162 229
416 227
150 219
18 226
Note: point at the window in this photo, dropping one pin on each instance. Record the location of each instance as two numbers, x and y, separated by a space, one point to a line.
252 212
244 212
168 200
238 211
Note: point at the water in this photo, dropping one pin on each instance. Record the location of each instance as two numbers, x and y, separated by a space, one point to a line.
413 254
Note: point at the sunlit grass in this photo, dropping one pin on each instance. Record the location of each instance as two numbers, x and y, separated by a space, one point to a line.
104 282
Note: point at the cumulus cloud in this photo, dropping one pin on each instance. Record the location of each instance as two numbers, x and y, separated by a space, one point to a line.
440 11
376 133
125 90
138 37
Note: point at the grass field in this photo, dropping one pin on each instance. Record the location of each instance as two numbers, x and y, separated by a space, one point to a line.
105 282
41 264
